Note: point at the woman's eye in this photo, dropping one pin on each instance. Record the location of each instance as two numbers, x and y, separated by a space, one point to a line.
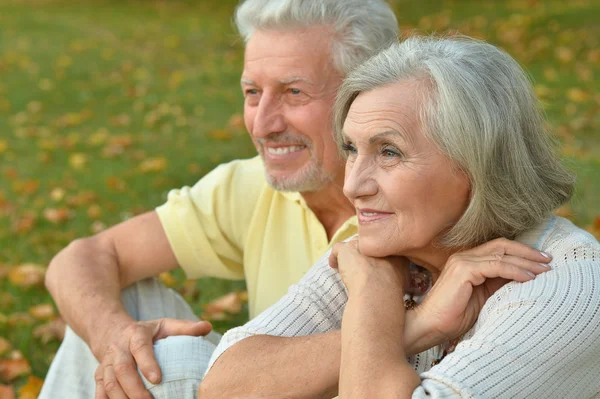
349 148
390 153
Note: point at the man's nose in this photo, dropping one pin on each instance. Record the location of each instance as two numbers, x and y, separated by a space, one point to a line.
269 117
360 179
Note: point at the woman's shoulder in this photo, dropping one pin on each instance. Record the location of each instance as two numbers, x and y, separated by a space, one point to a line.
570 287
569 245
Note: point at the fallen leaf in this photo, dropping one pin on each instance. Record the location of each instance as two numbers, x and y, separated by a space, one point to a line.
94 211
32 388
57 194
564 211
157 164
564 54
3 146
53 330
27 275
11 369
227 304
578 95
57 215
78 160
220 134
20 319
5 346
167 279
43 311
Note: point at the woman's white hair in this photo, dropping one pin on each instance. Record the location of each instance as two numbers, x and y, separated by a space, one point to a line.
477 105
360 27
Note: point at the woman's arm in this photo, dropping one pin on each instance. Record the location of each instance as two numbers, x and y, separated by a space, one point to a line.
373 362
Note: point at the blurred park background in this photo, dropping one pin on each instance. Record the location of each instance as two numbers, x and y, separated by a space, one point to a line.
106 105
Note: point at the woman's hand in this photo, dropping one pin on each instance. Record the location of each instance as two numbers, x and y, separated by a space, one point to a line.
359 271
467 281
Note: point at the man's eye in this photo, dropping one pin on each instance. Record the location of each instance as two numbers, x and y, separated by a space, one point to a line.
295 91
251 92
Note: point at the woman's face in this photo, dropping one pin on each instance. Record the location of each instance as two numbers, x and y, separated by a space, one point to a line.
405 191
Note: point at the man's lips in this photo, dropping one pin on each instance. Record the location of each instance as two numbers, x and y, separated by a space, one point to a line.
367 215
284 149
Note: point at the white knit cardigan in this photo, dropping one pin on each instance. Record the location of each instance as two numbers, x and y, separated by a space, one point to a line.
539 339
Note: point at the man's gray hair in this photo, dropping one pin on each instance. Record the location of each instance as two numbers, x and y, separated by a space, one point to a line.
360 28
477 105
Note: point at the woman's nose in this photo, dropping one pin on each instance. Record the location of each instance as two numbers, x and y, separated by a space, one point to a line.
360 179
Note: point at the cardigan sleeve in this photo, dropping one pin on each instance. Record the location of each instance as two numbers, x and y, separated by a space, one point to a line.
539 339
314 305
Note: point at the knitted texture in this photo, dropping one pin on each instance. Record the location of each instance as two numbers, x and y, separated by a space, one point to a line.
539 339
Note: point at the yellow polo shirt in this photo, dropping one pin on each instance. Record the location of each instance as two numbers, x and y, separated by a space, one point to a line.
233 225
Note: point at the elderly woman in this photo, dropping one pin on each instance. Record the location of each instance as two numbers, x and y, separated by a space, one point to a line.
461 282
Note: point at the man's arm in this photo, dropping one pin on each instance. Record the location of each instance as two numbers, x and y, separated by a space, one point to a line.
290 367
86 278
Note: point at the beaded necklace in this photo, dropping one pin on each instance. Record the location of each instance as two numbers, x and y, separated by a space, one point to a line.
420 283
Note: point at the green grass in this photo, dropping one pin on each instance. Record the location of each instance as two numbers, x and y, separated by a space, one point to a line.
159 80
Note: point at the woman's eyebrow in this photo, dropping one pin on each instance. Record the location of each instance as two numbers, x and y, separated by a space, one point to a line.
387 133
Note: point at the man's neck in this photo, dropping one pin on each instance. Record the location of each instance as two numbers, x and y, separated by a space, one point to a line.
330 206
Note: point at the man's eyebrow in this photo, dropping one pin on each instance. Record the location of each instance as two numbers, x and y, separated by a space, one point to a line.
247 82
294 79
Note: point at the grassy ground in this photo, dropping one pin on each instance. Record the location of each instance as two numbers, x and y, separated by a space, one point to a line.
106 105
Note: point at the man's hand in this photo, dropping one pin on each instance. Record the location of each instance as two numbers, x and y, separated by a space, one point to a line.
131 344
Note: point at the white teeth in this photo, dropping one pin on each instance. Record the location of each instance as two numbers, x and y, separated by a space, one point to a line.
284 150
369 213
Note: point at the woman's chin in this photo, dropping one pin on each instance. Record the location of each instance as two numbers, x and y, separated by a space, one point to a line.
373 247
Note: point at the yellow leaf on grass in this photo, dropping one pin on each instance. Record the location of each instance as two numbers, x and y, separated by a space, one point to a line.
564 211
157 164
32 388
221 134
167 279
578 95
3 146
27 275
78 160
564 54
230 303
5 346
11 369
44 311
57 215
53 330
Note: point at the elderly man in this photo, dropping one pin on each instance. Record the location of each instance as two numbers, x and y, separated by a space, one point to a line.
265 219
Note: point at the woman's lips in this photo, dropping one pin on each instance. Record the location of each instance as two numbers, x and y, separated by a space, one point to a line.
371 215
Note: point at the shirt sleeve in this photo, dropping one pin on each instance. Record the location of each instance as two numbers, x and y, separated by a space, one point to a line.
539 339
207 224
314 305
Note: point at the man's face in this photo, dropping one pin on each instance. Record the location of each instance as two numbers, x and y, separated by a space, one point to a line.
289 86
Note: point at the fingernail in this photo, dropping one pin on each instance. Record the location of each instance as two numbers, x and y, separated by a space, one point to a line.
531 274
544 265
545 255
153 377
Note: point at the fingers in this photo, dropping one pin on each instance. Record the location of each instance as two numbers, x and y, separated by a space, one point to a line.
503 246
507 267
128 379
111 385
99 378
168 327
